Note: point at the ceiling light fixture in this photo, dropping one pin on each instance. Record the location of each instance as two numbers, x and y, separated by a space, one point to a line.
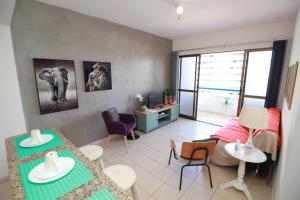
179 11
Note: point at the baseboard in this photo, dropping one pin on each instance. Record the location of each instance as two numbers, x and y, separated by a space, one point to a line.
4 179
101 141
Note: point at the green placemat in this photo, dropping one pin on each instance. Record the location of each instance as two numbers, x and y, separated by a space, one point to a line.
103 194
48 191
28 151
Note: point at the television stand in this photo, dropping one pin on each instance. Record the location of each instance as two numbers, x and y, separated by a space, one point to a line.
148 121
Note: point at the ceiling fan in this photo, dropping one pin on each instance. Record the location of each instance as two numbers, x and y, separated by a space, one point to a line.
179 7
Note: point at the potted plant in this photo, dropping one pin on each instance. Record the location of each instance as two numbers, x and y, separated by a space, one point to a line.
169 96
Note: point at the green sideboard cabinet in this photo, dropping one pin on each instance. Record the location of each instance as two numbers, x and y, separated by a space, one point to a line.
147 121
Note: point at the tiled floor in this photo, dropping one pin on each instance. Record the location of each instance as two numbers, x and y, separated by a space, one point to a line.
212 118
148 156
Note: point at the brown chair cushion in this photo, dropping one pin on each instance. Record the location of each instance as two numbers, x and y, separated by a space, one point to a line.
112 114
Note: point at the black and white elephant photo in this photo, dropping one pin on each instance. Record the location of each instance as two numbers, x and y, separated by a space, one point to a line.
56 85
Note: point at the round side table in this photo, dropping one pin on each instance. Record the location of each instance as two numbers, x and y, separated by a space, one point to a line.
255 156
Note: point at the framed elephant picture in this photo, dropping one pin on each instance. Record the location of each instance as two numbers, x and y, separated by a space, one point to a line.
56 85
97 76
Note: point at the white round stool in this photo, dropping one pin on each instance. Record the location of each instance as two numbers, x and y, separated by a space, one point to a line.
93 152
123 175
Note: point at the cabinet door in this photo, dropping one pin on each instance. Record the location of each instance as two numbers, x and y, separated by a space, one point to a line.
141 122
174 112
152 121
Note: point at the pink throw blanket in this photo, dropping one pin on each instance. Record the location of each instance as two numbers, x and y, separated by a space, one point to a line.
233 130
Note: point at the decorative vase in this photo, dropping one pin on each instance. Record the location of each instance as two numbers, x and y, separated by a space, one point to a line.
166 100
170 99
143 108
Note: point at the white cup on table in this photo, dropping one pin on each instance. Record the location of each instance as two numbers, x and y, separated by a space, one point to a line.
36 136
51 162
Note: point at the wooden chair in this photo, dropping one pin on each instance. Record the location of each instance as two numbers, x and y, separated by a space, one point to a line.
195 153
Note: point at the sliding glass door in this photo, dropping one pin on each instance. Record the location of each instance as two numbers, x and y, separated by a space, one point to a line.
214 88
219 86
255 77
188 85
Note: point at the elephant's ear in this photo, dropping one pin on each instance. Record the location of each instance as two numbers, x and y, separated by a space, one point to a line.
64 73
45 74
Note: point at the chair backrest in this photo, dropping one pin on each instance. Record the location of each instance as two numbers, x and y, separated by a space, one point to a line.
187 149
111 114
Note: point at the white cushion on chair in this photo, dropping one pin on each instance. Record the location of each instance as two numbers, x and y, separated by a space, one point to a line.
92 152
123 175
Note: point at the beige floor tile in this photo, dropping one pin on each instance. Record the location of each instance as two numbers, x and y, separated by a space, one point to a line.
203 177
195 191
190 172
140 193
149 164
230 193
150 183
166 192
174 180
219 197
162 158
140 172
162 172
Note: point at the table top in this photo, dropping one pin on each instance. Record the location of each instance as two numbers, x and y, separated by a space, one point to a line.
101 180
165 107
255 156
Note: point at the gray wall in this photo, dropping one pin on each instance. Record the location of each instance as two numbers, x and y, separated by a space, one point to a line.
140 63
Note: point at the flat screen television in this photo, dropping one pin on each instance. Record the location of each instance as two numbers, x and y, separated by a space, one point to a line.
155 99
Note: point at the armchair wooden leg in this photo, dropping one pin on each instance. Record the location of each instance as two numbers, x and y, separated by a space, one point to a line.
132 133
126 144
107 142
170 156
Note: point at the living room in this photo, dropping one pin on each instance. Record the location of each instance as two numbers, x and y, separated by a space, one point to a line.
141 53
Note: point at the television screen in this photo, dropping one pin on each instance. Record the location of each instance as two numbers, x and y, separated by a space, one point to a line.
155 99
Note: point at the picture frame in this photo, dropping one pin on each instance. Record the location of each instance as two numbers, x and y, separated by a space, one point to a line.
290 84
97 76
56 84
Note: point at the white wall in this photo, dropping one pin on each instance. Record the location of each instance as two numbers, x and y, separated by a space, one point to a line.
287 179
250 37
11 110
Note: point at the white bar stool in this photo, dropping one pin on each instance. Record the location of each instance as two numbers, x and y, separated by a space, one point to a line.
93 152
123 175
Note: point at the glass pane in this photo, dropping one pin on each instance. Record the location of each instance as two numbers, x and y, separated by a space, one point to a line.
219 86
186 103
188 67
254 102
258 73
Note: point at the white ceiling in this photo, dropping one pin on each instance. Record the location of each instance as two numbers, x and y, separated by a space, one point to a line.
200 16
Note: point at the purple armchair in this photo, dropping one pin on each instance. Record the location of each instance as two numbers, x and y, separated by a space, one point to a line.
119 124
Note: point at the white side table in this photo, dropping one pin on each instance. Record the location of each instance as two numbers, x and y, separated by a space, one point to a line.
256 156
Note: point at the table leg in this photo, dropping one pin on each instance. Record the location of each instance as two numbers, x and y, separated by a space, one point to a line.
238 183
